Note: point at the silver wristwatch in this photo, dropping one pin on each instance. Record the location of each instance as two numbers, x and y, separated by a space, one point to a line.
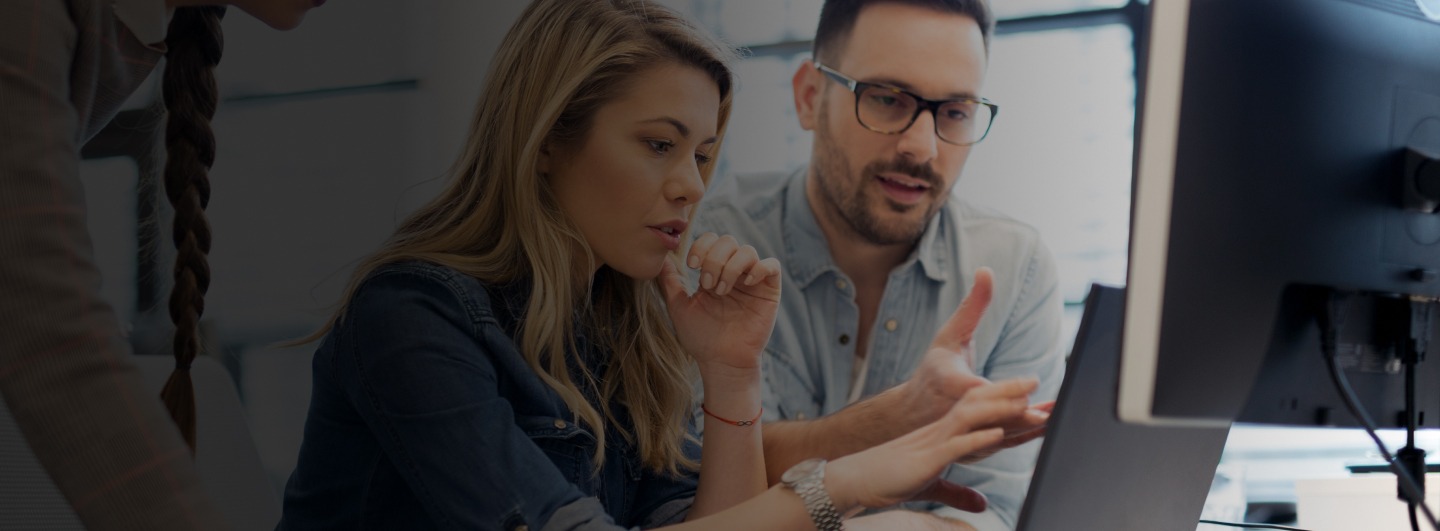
807 478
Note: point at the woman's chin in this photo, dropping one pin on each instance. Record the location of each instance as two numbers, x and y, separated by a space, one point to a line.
653 271
641 270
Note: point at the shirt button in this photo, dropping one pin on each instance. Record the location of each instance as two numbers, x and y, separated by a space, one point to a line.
840 283
800 416
559 424
891 325
844 339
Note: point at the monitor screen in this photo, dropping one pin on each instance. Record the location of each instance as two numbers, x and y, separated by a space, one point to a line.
1269 169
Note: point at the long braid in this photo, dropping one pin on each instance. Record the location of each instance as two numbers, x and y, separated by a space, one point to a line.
193 49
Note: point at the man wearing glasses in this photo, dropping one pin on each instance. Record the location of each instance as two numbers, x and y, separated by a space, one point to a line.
877 253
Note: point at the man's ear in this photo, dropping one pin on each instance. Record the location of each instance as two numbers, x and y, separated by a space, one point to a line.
806 85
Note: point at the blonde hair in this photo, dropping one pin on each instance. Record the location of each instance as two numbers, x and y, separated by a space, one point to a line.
497 221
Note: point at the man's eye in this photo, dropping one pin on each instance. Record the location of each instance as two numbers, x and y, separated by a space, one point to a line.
885 100
957 115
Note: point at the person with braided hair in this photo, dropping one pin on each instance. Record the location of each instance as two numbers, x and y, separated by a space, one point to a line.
66 66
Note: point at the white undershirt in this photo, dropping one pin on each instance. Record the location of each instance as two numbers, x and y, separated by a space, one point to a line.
857 378
149 20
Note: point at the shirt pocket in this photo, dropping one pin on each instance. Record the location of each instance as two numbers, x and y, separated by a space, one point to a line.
569 446
789 394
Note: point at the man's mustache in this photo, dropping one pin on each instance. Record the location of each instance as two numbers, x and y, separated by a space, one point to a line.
918 171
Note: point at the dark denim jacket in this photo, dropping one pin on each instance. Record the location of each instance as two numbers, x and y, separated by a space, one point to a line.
424 415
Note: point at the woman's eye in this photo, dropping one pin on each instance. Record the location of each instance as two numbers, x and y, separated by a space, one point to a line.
702 158
660 147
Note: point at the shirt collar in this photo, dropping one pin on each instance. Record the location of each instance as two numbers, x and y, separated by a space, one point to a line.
808 253
936 244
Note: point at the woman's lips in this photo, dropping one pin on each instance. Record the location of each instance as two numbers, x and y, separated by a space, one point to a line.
671 241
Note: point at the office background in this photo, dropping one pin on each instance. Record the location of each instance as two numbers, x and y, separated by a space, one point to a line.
330 134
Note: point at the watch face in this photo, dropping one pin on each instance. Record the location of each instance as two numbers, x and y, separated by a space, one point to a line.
802 470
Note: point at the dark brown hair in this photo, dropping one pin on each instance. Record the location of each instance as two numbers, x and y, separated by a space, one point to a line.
837 18
193 47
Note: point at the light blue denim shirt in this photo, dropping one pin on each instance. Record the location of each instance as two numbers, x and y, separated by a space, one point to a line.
811 353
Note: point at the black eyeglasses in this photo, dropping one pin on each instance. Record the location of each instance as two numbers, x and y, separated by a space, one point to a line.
889 110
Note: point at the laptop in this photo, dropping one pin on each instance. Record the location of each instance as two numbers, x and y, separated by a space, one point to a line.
1096 473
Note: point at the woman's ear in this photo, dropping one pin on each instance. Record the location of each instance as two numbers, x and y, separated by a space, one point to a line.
543 163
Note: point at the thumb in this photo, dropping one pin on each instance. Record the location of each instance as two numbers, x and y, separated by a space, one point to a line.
953 372
672 286
955 495
960 329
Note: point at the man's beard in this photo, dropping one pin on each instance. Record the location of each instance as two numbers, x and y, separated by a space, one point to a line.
850 196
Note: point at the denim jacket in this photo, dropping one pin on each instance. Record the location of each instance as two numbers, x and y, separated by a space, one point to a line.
424 415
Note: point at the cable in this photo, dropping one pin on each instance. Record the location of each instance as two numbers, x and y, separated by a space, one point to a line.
1407 483
1252 526
1410 449
1412 457
1330 322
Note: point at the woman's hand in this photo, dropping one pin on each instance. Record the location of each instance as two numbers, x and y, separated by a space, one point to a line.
726 323
909 468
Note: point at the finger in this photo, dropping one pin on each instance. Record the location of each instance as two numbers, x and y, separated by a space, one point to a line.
960 329
1047 407
698 248
672 286
963 445
1004 389
955 495
712 263
969 416
1037 417
744 258
1028 421
767 269
1018 439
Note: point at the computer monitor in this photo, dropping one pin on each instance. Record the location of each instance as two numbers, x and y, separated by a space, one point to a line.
1270 152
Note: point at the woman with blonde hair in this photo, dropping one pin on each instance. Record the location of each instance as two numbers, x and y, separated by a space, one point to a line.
519 354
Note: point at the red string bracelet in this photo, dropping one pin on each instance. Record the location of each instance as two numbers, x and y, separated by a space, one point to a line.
750 422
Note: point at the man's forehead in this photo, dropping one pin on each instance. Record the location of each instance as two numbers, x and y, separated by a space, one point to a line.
935 53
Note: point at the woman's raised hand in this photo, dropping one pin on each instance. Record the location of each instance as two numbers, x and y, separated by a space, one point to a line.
726 323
